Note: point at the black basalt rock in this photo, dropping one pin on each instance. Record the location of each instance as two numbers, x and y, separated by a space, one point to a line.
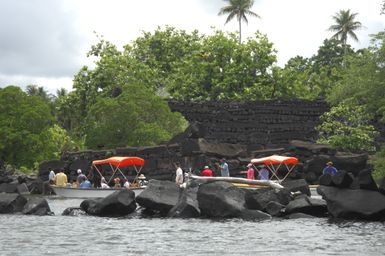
37 206
354 203
159 196
342 179
119 203
366 181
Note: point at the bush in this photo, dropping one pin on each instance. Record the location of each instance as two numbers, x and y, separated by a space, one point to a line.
347 127
378 162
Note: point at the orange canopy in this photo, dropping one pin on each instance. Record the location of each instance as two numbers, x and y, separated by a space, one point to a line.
275 159
121 161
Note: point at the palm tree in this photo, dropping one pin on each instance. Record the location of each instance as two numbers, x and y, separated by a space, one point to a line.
239 9
345 26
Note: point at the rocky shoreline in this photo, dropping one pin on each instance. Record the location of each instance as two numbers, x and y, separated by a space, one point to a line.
343 197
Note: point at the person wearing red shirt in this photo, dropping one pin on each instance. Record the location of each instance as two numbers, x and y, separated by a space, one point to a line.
207 172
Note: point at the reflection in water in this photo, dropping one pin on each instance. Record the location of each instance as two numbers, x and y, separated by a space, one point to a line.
84 235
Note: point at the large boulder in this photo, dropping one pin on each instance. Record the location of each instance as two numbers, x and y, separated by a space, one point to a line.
353 203
37 206
119 203
342 179
350 162
307 205
259 199
187 206
275 208
366 181
159 196
223 200
23 189
11 203
326 179
299 185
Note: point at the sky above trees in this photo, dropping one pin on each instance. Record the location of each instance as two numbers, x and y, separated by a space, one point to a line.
46 42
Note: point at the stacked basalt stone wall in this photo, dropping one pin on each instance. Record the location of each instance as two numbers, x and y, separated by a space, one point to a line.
257 124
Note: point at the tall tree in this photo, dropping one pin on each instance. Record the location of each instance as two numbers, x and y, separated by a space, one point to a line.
239 9
344 26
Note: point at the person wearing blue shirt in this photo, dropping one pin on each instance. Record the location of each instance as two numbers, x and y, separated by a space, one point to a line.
329 169
85 184
263 173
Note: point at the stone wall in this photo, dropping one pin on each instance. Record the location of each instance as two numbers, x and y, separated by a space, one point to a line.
257 124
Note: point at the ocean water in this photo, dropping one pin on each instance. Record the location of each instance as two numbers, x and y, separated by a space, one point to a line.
88 235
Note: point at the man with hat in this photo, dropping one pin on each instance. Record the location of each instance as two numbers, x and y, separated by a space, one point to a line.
207 172
81 177
142 180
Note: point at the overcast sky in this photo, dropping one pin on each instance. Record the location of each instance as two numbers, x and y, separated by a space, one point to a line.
45 42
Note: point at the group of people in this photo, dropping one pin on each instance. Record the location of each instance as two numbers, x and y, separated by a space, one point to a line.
263 171
60 179
223 166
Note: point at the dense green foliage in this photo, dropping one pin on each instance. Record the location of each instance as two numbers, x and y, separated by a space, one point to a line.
136 117
363 80
347 127
26 132
312 78
378 161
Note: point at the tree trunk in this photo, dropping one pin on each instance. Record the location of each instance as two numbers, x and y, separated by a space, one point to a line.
240 31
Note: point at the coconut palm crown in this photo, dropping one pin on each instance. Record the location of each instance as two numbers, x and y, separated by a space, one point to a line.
239 9
345 26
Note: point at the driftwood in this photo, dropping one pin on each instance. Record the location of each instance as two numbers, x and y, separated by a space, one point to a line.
269 183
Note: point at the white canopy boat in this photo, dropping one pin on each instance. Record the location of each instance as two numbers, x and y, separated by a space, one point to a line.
115 164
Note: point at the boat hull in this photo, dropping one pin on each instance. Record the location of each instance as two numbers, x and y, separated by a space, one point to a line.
69 192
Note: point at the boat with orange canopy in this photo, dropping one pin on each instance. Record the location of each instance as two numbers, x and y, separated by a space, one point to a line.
274 163
115 164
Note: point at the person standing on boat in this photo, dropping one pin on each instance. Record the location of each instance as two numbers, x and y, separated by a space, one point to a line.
81 177
103 183
207 172
117 182
61 179
329 169
126 184
178 174
263 173
250 172
224 167
51 177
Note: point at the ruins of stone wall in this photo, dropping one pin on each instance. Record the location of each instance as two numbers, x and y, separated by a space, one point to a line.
257 124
